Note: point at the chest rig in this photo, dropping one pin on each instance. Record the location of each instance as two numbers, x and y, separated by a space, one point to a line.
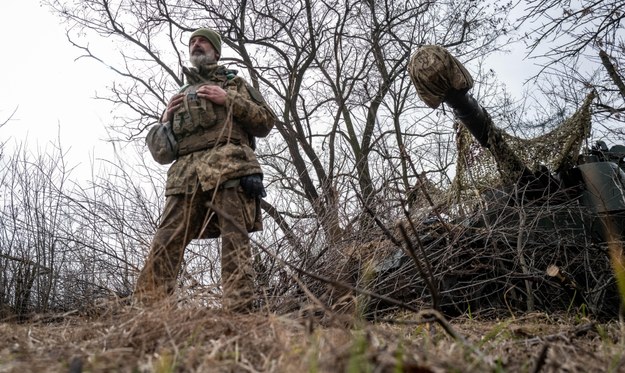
200 124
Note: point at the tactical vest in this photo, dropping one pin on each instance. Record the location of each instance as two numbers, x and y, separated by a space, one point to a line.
200 124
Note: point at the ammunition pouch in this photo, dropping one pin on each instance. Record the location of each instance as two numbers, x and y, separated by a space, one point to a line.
210 138
196 113
200 125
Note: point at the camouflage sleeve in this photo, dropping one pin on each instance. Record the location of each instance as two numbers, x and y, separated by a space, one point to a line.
250 110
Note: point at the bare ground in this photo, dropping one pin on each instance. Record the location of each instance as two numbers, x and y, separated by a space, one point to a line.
189 338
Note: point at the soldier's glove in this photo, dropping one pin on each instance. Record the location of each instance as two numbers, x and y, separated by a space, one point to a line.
253 186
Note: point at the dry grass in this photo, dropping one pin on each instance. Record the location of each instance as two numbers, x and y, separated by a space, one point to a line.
189 338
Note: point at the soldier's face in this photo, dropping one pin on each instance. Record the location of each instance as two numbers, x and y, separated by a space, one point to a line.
201 51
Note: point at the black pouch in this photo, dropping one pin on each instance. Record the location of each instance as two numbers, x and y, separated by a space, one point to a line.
253 186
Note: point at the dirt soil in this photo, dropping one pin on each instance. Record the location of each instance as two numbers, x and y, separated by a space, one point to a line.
188 338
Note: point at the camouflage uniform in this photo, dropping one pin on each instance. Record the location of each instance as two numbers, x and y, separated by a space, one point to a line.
215 152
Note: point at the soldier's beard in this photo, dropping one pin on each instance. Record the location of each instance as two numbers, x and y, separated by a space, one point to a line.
198 60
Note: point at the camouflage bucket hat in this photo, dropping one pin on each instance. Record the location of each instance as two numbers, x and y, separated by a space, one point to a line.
434 72
210 35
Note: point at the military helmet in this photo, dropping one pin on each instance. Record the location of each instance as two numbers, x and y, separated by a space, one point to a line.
212 36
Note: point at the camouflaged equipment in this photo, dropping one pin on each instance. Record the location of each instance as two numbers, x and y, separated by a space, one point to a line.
532 225
194 123
434 72
196 113
162 143
488 156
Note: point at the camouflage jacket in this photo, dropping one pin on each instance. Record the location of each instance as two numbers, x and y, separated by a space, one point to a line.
216 141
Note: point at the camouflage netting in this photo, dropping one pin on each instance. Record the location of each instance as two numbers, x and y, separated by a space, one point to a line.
477 169
435 73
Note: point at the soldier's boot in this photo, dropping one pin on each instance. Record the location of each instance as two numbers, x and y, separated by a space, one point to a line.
238 295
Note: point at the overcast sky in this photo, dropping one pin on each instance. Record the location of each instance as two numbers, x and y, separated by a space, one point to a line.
53 93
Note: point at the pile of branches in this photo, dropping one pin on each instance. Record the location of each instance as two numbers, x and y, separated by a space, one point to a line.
504 258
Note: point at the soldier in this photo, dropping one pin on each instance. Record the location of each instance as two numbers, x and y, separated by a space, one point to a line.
215 185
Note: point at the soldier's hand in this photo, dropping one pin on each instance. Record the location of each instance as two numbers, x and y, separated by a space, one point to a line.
213 93
174 104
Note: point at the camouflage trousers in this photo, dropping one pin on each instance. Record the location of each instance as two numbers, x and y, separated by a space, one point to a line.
186 217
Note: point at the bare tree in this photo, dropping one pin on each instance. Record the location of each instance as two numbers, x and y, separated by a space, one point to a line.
579 45
32 213
66 244
334 71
